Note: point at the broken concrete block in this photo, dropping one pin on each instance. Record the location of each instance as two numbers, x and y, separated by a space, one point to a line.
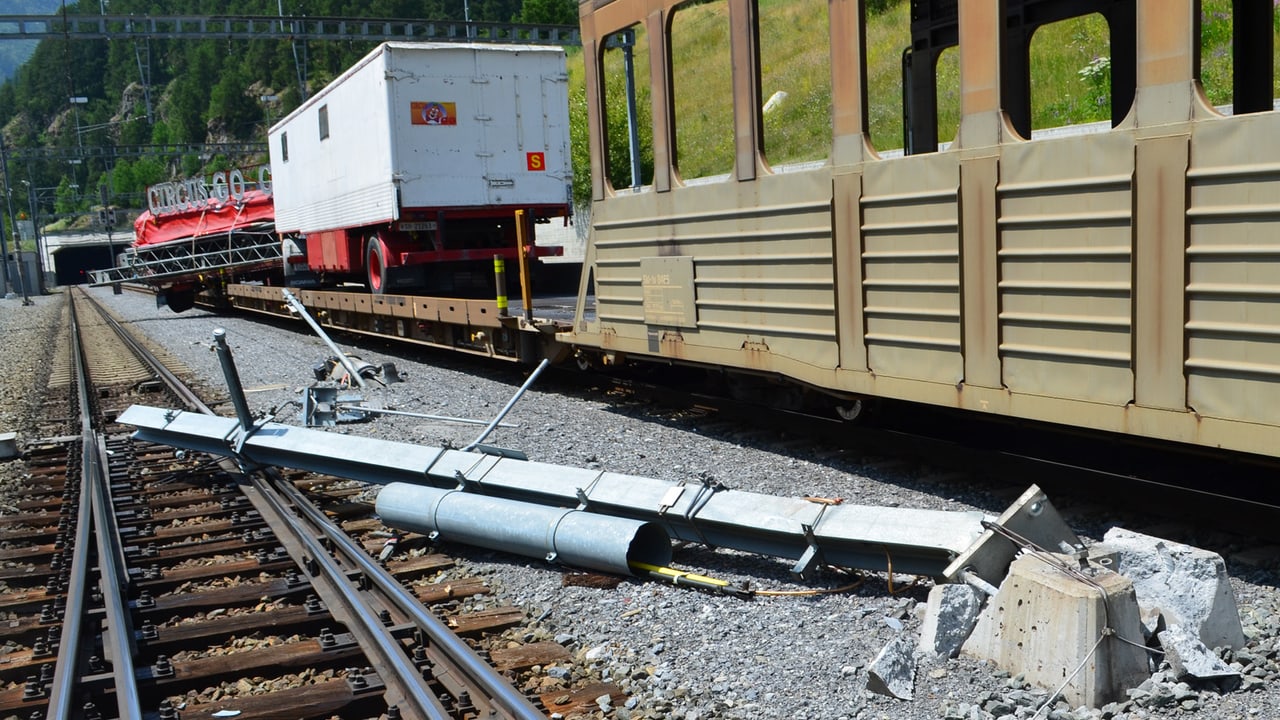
1188 657
1044 623
8 445
949 617
893 672
1188 586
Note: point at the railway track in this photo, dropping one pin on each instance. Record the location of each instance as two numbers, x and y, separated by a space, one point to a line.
141 581
663 620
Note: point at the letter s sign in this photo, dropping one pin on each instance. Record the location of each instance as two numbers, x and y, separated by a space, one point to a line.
536 161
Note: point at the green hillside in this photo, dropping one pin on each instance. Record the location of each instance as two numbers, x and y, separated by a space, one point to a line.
15 52
199 91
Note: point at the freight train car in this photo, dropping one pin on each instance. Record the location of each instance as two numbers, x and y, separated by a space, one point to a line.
1125 280
406 172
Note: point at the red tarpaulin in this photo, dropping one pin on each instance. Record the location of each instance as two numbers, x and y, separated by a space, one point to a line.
206 219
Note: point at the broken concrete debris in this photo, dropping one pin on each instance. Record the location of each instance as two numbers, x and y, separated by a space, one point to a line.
1075 628
949 617
1189 658
1181 584
1050 618
893 672
8 445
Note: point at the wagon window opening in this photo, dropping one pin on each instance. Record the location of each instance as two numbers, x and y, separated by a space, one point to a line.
947 89
702 89
912 78
1238 62
324 122
284 146
1069 76
628 112
795 80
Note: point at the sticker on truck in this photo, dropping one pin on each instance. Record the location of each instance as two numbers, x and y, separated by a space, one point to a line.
433 113
536 161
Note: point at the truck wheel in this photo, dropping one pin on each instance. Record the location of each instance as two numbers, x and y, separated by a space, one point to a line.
376 267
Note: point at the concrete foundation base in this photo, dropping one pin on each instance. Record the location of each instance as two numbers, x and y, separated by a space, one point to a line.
1053 628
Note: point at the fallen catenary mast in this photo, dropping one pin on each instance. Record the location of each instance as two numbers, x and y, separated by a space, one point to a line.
953 546
497 498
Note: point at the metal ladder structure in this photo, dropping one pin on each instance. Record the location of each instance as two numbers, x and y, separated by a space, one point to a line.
183 259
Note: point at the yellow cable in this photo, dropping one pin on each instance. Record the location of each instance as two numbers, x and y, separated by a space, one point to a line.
888 559
677 574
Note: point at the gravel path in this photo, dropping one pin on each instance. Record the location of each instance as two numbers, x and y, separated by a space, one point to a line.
680 653
27 338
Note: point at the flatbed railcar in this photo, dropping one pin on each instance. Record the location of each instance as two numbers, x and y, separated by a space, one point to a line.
1126 280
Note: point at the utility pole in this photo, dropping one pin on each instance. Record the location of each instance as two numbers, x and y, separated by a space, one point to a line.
33 203
4 244
13 226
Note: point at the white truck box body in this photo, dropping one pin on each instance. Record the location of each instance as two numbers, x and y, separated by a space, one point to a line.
440 125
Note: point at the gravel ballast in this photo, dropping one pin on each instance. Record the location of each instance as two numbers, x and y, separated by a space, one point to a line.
681 653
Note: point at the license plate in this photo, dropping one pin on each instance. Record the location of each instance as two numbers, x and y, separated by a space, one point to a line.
428 226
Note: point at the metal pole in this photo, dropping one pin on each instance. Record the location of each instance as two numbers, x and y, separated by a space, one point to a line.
106 222
524 238
33 204
510 404
232 376
633 133
4 245
13 227
500 281
424 416
294 303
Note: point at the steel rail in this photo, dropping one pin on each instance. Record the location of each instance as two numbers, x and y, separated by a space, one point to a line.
463 661
119 640
65 675
370 628
466 661
171 381
92 511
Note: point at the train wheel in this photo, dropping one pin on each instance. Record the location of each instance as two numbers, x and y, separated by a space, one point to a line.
854 411
375 264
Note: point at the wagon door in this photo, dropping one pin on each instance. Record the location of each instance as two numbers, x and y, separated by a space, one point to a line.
437 135
522 148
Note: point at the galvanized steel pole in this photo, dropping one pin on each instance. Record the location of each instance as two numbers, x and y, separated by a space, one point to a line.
232 376
4 246
342 357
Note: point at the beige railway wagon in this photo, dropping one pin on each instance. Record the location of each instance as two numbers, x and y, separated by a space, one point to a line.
1123 280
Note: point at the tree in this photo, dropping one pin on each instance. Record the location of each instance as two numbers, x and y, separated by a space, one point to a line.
66 198
548 12
230 105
